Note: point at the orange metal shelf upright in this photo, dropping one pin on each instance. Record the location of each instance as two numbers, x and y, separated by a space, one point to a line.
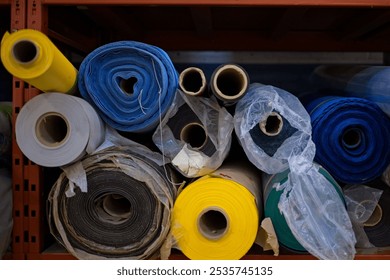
29 214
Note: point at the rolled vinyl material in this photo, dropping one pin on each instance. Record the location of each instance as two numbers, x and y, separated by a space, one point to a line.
332 118
379 234
5 210
241 206
364 81
229 83
192 81
49 70
271 200
86 227
78 128
181 119
151 84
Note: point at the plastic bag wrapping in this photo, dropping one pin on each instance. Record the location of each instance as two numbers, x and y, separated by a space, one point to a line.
325 234
6 221
365 81
256 106
361 202
175 139
92 226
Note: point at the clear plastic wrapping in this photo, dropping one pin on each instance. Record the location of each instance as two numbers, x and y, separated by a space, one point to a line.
312 207
212 128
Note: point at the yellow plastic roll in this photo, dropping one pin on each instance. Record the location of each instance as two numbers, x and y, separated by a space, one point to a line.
215 218
31 56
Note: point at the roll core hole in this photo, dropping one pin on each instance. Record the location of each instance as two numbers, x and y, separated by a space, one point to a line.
52 130
127 85
25 51
375 218
192 81
194 134
213 224
117 206
272 125
351 138
231 82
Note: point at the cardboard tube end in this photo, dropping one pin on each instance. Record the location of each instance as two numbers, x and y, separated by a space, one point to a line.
272 125
213 223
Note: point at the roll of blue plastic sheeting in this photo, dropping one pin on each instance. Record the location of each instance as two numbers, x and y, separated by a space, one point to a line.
364 81
129 83
351 136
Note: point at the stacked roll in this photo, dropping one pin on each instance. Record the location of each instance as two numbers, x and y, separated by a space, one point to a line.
350 135
217 216
274 130
195 135
31 56
126 212
55 129
137 84
5 133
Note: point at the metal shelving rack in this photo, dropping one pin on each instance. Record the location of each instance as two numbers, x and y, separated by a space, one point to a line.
29 214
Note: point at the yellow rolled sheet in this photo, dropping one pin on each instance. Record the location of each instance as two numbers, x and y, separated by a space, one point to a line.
30 56
217 218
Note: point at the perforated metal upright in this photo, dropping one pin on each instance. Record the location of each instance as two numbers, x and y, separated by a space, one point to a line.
20 193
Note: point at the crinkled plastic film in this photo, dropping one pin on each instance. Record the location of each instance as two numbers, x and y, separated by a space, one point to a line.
313 209
6 222
361 202
129 161
218 127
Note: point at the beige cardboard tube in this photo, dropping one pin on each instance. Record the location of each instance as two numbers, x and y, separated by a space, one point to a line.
194 134
272 125
375 218
192 81
229 83
213 223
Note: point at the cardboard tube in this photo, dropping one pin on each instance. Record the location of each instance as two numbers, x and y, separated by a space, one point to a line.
117 206
352 138
375 218
192 81
194 134
272 125
213 223
31 56
229 83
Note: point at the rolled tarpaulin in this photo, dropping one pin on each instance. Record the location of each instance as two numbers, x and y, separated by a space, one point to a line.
271 210
217 216
350 135
137 84
192 81
126 212
364 81
5 210
195 134
55 129
229 83
31 56
274 130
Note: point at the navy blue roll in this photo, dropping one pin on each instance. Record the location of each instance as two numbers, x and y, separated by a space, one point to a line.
129 83
351 136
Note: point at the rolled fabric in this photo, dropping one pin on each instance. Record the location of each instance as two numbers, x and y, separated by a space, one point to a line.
195 135
192 81
5 210
55 129
282 118
269 123
5 133
271 200
126 212
350 135
30 55
229 83
364 81
137 84
217 216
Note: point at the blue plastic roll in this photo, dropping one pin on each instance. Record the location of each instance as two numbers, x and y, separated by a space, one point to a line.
351 136
129 83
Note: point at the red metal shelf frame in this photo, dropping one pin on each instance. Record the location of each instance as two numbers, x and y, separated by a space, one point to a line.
29 214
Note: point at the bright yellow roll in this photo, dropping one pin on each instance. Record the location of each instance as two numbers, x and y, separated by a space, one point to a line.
215 218
31 56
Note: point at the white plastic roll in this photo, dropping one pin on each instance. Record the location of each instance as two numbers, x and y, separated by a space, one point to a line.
55 129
